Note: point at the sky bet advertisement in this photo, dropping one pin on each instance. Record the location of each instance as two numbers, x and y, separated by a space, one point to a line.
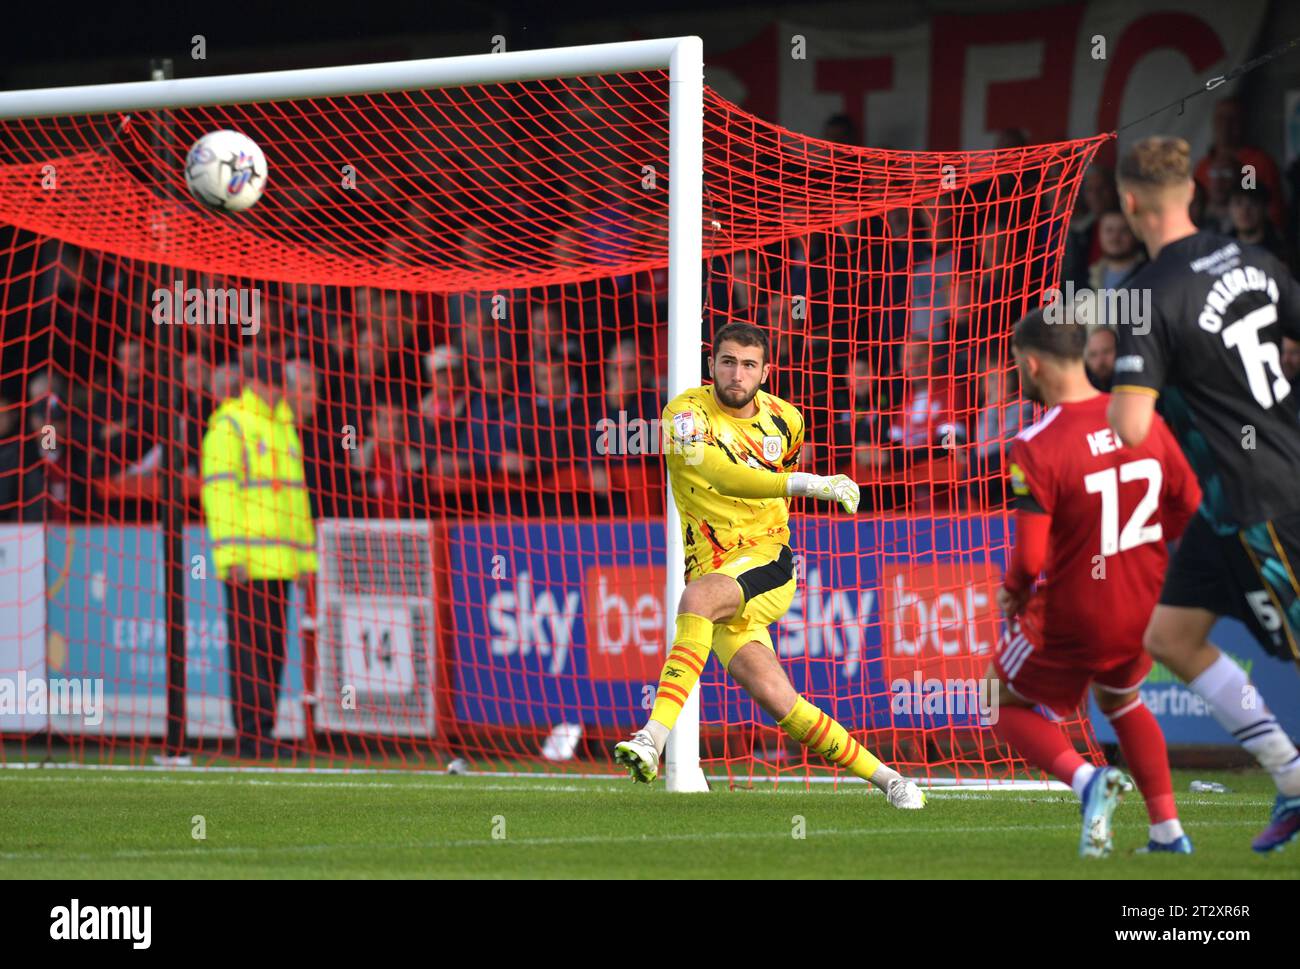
893 625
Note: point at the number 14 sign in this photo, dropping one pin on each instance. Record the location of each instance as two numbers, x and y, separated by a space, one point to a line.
377 647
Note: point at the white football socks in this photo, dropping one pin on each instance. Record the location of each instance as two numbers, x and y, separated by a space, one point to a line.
1241 711
884 776
658 733
1082 776
1167 831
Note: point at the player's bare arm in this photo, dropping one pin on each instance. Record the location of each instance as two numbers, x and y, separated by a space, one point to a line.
1130 414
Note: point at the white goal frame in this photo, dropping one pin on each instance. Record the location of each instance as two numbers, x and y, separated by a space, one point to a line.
683 57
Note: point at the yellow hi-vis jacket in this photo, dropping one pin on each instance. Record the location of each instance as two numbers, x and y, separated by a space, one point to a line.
254 494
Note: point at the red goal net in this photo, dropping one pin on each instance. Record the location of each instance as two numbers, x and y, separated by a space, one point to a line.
456 301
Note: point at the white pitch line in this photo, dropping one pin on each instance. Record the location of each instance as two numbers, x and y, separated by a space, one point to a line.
941 783
430 783
198 852
442 782
40 766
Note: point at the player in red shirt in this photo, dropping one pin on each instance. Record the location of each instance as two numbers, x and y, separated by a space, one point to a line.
1095 516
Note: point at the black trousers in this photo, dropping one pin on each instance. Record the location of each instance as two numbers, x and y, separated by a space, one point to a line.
255 621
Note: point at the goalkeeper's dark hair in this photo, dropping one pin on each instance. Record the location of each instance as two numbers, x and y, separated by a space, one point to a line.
746 334
1034 334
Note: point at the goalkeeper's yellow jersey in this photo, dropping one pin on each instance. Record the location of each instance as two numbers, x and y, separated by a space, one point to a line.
704 445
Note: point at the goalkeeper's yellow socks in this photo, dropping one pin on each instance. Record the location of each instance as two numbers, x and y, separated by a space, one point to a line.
682 669
824 735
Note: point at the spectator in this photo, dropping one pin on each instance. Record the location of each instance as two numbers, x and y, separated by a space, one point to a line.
443 376
1099 356
547 336
861 407
858 275
981 302
925 424
1291 359
369 366
1248 212
650 290
624 435
625 385
1082 246
1008 138
198 405
53 480
389 336
1196 208
443 410
737 289
11 460
801 366
491 417
932 280
840 129
325 466
1291 369
1121 256
1223 176
1121 253
1220 171
128 436
387 463
552 427
41 385
1001 417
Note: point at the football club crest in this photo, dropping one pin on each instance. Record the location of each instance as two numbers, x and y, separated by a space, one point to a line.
771 447
684 425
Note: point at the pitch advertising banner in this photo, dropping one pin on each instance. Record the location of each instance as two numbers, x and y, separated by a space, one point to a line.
558 623
107 621
565 623
23 673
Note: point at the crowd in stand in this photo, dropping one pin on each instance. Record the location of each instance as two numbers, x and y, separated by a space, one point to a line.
889 332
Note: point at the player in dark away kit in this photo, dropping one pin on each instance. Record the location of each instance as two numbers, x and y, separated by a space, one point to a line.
1209 352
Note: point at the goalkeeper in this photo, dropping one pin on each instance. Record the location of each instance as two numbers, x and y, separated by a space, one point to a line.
731 459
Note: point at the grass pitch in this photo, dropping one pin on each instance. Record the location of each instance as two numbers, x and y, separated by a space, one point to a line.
69 823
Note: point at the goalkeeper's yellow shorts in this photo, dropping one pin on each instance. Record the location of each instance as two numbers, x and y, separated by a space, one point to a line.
767 586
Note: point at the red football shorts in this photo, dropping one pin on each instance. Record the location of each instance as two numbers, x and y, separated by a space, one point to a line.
1059 678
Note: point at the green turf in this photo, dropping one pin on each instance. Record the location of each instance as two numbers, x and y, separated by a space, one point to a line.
64 823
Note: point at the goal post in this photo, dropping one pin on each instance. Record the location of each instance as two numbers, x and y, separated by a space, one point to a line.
685 246
681 57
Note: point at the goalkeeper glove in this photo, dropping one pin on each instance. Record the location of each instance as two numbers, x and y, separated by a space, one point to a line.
840 488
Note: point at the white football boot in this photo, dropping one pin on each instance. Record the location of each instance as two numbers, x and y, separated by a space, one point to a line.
905 795
639 755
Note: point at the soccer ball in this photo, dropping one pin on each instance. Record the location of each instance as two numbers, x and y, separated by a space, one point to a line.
226 170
